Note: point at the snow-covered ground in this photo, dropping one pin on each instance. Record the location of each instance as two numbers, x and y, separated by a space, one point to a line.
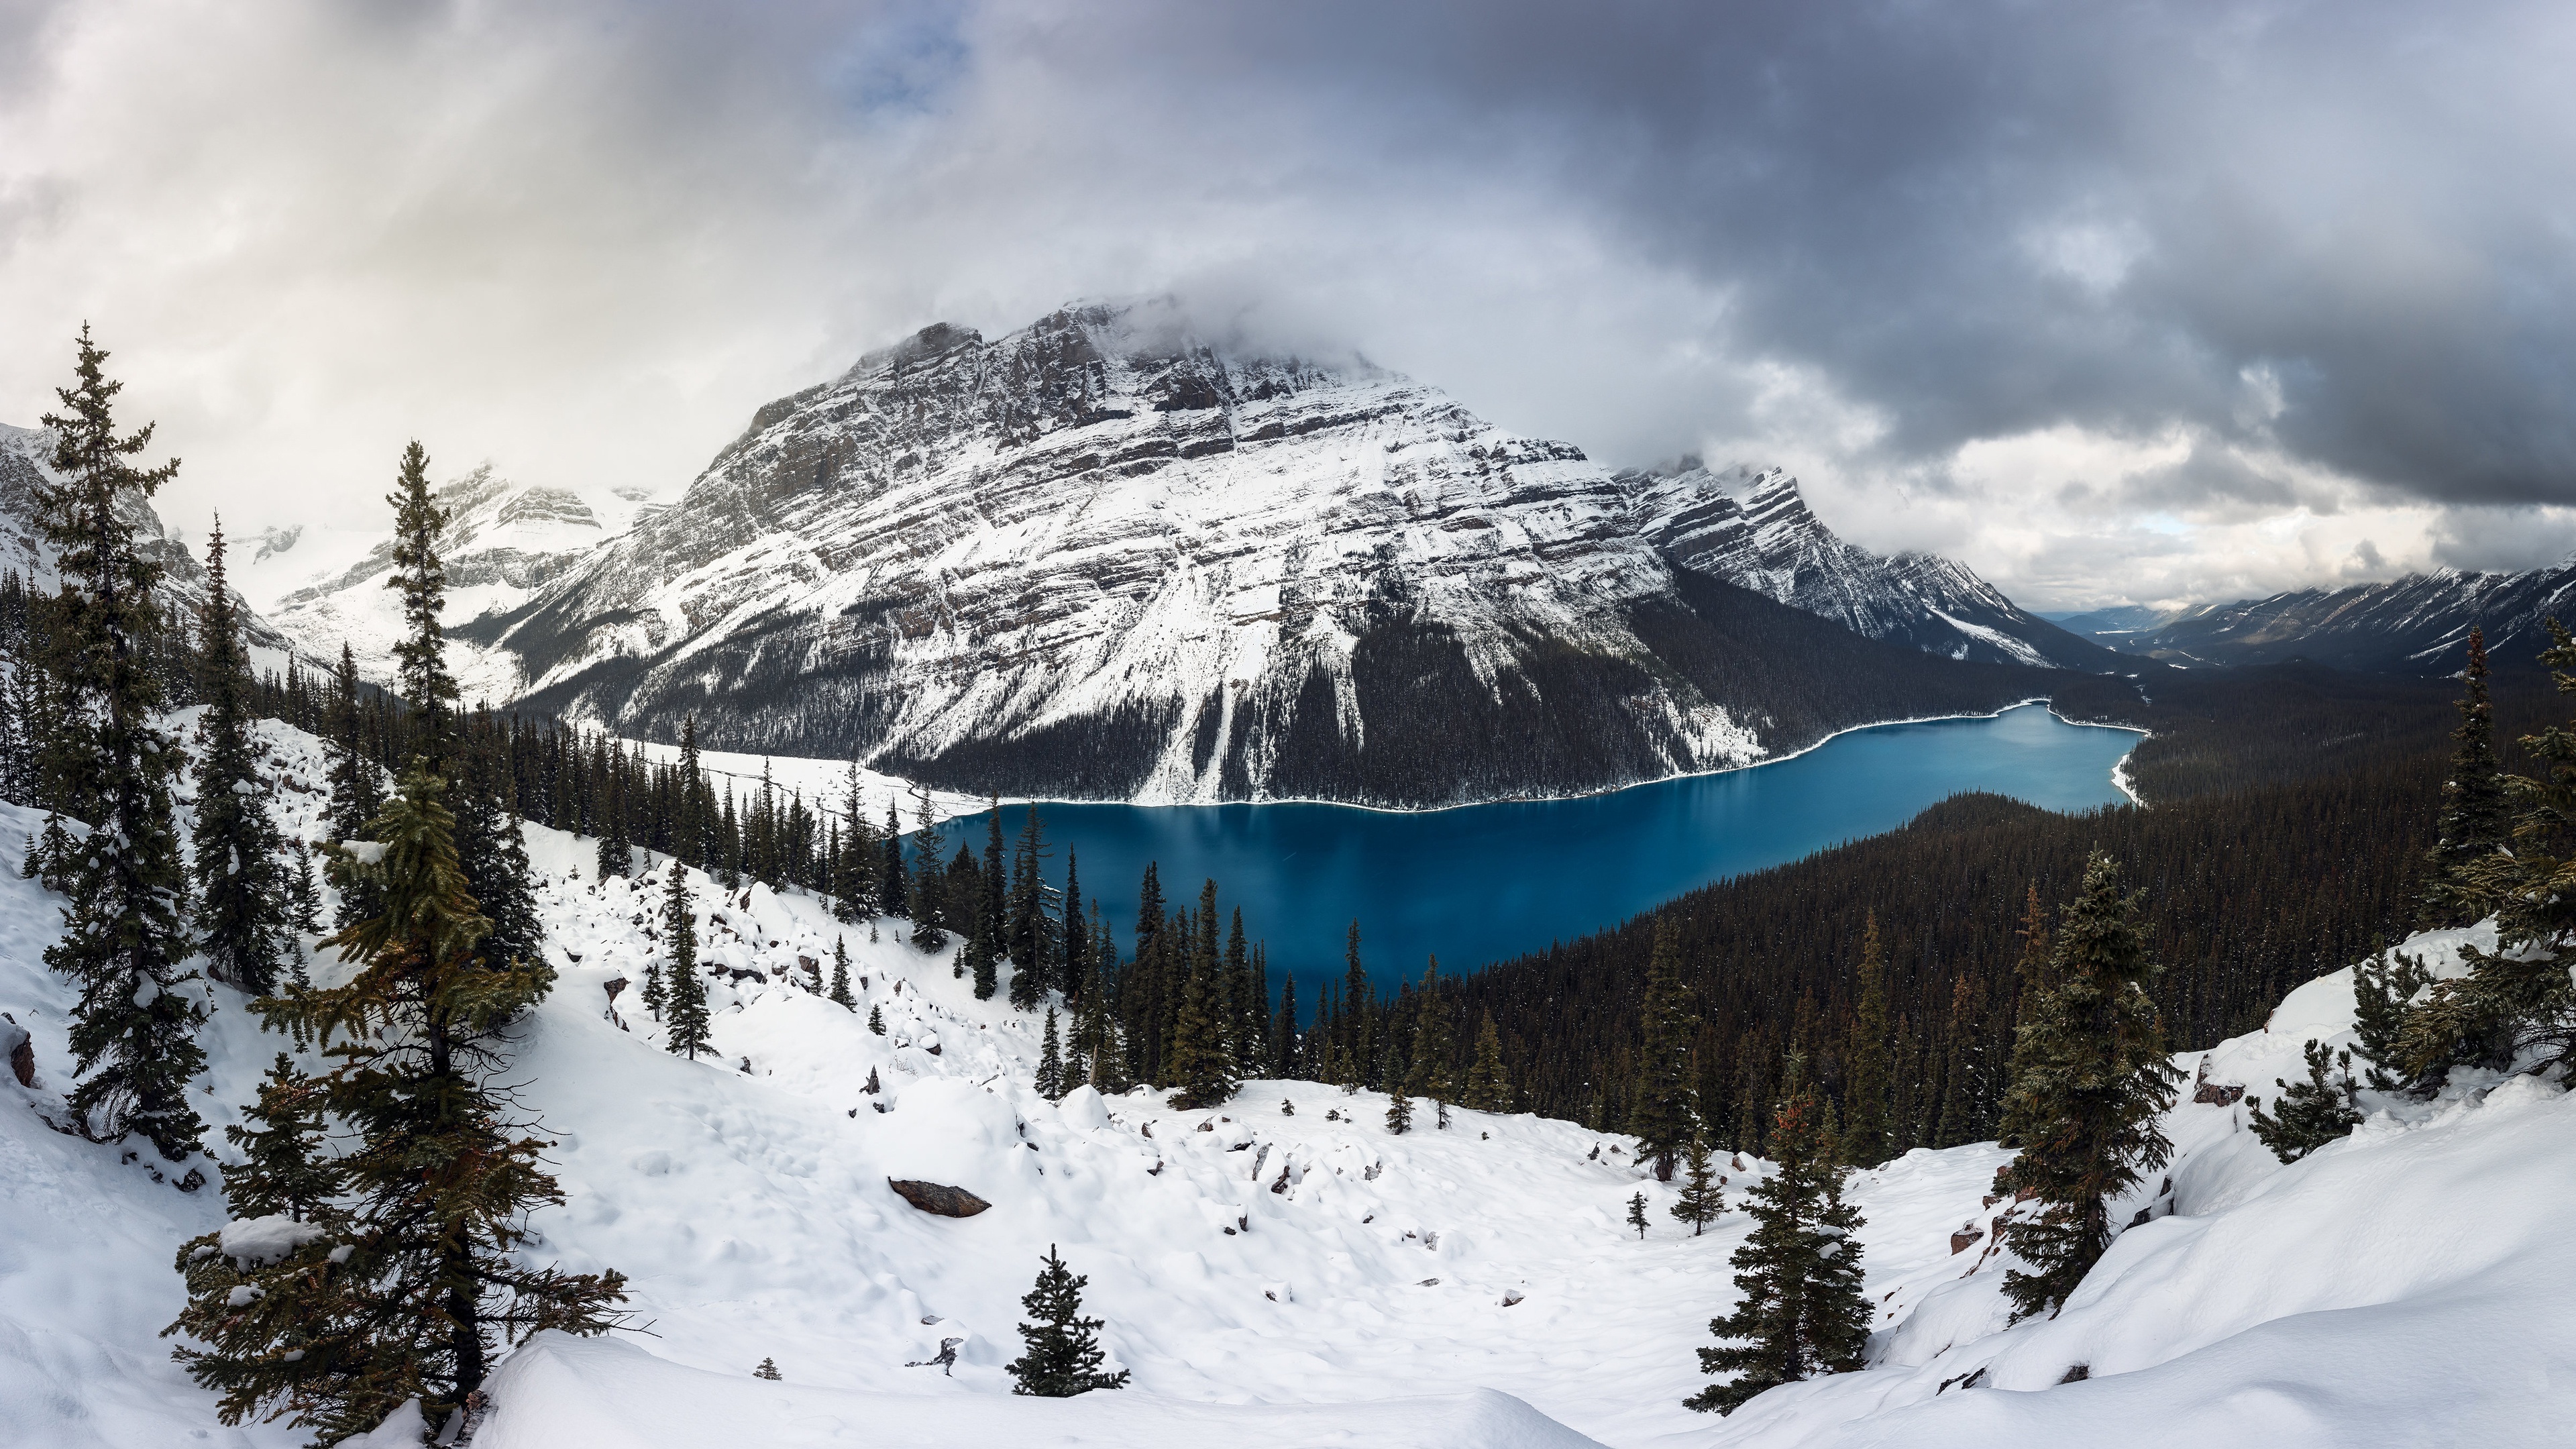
1276 1279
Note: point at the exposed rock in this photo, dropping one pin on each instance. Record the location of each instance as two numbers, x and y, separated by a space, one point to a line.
19 1048
1966 1238
938 1199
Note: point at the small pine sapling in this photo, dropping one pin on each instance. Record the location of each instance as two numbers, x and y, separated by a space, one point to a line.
876 1019
841 975
1064 1354
1701 1200
1287 1108
2314 1112
1399 1112
1637 1213
655 996
690 1023
1050 1082
768 1370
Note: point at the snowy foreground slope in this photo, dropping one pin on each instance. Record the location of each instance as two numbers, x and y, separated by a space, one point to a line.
1292 1280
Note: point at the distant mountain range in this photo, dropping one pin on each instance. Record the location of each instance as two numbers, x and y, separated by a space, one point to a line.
1105 556
2417 625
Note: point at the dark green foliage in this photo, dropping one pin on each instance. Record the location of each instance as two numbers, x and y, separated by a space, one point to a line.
242 891
2516 1009
1050 1079
1700 1200
2382 989
768 1370
1800 1310
2091 1083
1637 1213
841 975
1064 1355
303 895
687 988
1029 933
280 1139
927 875
426 1280
357 779
1866 1082
2475 819
1660 1113
1399 1112
420 657
110 763
1488 1084
1198 1061
876 1019
2312 1113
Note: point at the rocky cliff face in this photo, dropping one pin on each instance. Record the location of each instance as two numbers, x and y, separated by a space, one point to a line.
24 465
2415 625
1104 556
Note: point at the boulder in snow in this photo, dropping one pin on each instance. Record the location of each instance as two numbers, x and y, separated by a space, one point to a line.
19 1048
938 1198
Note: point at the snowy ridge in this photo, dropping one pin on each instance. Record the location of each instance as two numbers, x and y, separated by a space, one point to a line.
1290 1280
2418 624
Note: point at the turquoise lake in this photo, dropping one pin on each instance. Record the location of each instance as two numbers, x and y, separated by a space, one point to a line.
1480 883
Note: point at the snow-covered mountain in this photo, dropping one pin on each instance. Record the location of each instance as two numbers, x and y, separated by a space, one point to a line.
1751 527
2415 625
503 541
1105 556
1277 1280
25 455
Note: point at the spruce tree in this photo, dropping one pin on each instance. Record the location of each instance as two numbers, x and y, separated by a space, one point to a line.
1867 1082
1637 1213
1029 930
420 656
280 1138
894 890
1050 1080
1358 1039
688 989
357 782
1660 1114
1064 1354
1701 1200
2312 1113
1431 1045
1074 949
133 1033
1800 1309
424 1279
927 876
841 975
1399 1112
768 1370
2094 1081
656 995
1197 1061
2475 821
303 894
1488 1084
242 897
876 1019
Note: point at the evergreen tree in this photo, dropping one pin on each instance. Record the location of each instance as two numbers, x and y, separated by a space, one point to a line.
357 782
420 656
242 899
1029 930
876 1019
1197 1062
1637 1213
280 1139
688 990
1074 951
1867 1082
1488 1085
689 827
2475 817
1358 1041
1800 1310
1050 1082
425 1278
927 874
1660 1114
303 895
894 892
1431 1045
133 1034
1701 1200
841 975
1064 1354
497 873
2093 1084
656 995
2314 1112
768 1370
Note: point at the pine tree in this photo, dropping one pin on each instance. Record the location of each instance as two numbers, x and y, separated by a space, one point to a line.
841 975
2475 820
876 1019
894 892
1800 1310
927 875
1050 1082
357 783
688 990
1197 1061
242 898
2093 1083
1029 930
1637 1213
1064 1354
1660 1114
1358 1044
425 1278
303 893
1074 951
2313 1113
1701 1200
420 656
768 1370
1488 1085
1866 1082
282 1170
656 995
1431 1045
133 1034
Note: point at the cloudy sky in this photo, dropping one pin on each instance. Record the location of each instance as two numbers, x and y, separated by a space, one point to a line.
2135 303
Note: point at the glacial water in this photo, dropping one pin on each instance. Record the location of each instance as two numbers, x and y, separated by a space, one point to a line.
1483 882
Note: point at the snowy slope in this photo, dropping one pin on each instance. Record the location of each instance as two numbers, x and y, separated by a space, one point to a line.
1282 1279
1106 556
25 463
1753 528
2418 624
